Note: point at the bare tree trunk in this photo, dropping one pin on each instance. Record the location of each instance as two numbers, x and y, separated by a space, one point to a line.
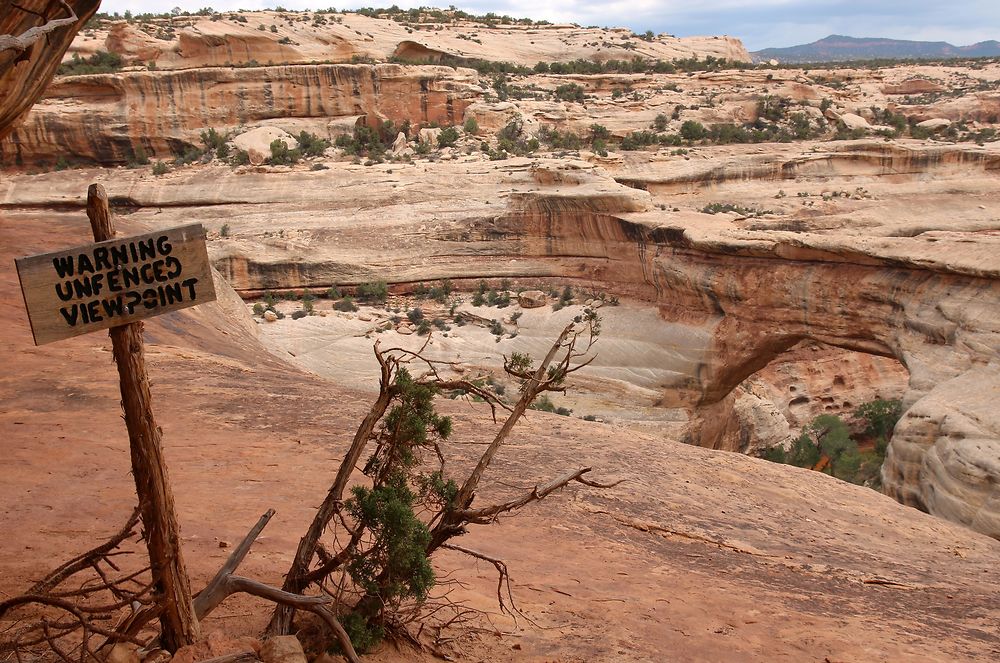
296 580
179 625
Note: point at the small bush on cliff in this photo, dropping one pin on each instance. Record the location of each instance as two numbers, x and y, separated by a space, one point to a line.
569 92
312 145
471 127
100 62
281 155
345 305
448 137
160 168
693 130
373 291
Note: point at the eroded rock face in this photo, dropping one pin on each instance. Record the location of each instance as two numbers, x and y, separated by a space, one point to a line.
771 407
762 296
106 117
195 41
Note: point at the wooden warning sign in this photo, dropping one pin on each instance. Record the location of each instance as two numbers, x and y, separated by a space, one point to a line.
112 283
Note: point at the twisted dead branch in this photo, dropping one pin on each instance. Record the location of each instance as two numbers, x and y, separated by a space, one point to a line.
25 40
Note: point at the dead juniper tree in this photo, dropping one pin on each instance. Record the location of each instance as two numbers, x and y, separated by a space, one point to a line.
375 557
76 610
376 571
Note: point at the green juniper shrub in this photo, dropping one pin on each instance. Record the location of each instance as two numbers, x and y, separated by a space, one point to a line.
311 145
345 305
569 92
100 62
281 154
693 130
448 137
377 291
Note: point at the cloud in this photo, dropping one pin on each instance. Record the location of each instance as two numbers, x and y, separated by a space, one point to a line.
760 23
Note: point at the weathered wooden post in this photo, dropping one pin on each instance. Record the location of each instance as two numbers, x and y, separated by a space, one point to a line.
114 284
179 625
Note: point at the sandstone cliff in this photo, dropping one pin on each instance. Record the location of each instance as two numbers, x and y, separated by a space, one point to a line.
107 117
303 37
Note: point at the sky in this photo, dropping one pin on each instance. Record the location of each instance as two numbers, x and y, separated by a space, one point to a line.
759 23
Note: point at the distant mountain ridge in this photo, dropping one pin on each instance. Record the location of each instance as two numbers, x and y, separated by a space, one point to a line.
838 48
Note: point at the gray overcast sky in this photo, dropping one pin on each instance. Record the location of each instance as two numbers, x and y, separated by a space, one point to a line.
759 23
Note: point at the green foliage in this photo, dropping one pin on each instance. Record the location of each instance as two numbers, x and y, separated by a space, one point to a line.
345 305
693 130
364 636
827 437
448 137
240 158
281 155
833 436
775 454
881 417
570 92
373 291
100 62
722 208
396 567
804 452
566 140
212 139
599 132
471 127
660 122
258 309
160 168
139 157
312 145
415 315
224 230
773 108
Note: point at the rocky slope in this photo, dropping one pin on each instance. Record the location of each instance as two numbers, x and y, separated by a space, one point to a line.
737 293
706 554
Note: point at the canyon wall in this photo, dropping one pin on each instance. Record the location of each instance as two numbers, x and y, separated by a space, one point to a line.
890 275
761 297
107 117
302 37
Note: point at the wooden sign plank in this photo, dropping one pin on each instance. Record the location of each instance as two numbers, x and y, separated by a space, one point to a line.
107 284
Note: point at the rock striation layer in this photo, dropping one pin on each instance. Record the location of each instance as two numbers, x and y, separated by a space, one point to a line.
107 117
